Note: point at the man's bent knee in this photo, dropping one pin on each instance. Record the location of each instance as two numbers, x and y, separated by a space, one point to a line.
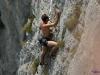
52 43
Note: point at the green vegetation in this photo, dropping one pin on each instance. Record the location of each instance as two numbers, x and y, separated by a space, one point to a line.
77 35
73 51
34 65
72 22
27 27
73 19
61 44
22 43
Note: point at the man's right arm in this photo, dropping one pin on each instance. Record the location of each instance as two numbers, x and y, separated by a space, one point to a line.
58 13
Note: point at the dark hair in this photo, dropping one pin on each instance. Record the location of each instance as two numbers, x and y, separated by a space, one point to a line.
45 17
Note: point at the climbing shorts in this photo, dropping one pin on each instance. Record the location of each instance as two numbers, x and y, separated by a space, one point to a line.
44 40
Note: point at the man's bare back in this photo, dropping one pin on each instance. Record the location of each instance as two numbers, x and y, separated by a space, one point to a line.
46 31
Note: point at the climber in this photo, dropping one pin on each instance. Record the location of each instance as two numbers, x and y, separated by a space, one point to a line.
46 40
27 29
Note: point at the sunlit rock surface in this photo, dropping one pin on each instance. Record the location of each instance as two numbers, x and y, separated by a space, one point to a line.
77 31
86 59
68 31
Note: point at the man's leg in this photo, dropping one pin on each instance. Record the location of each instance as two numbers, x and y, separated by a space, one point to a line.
54 49
52 43
43 53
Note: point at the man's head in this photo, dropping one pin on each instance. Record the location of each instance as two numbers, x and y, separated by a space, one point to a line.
45 18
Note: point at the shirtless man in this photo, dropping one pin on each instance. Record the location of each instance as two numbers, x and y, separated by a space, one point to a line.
46 40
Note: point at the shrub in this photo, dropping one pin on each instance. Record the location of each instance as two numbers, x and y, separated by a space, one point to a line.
73 19
35 64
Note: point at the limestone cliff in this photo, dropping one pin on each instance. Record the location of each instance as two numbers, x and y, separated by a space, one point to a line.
13 15
77 31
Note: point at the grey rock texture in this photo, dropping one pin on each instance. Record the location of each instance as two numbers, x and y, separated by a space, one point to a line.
70 36
77 31
86 60
13 16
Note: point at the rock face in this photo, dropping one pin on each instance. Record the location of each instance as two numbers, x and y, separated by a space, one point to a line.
77 31
69 32
13 15
86 60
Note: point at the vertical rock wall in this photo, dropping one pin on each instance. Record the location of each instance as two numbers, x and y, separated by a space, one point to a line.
78 30
13 15
86 60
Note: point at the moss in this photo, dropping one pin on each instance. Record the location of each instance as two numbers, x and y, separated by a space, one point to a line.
22 43
77 35
73 51
27 27
34 65
61 44
71 23
73 19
